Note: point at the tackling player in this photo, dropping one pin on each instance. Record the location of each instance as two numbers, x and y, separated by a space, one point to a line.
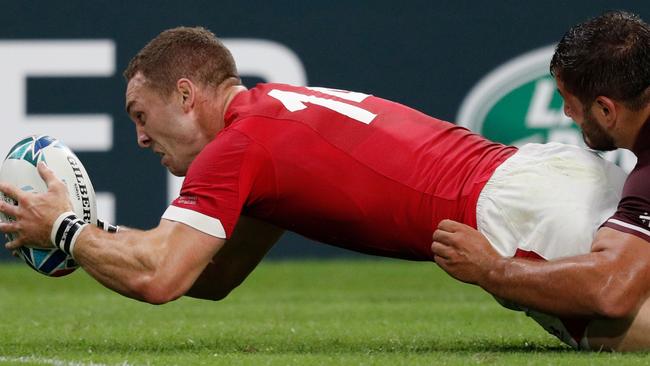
602 69
344 168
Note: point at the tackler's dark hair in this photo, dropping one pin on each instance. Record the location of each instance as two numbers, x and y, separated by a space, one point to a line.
608 55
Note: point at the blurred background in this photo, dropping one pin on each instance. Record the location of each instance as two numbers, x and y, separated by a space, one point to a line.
481 64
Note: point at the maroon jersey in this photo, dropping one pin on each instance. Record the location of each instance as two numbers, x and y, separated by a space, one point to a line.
633 213
344 168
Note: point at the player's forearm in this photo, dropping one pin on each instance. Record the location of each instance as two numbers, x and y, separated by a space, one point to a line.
119 261
588 285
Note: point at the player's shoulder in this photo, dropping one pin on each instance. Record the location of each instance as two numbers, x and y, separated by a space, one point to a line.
264 91
229 142
636 183
255 104
633 213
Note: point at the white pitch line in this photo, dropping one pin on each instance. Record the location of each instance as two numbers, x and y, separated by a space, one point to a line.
51 361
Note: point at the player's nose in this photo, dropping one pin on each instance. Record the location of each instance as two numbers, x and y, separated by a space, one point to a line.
144 140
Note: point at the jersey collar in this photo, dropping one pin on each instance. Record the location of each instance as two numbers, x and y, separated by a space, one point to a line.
642 143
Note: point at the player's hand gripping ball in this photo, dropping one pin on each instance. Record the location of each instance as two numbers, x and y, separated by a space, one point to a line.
19 169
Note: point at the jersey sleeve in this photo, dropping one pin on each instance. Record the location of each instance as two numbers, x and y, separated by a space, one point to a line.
216 186
633 213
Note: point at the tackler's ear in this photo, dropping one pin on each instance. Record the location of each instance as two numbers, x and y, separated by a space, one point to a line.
606 111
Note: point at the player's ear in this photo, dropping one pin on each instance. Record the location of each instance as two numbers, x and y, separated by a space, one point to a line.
187 93
606 111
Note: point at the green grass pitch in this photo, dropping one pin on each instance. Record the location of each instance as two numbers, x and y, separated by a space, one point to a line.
374 312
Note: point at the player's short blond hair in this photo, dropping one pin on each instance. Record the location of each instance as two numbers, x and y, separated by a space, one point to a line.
183 52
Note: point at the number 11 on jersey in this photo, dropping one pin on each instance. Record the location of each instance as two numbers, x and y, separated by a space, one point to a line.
294 101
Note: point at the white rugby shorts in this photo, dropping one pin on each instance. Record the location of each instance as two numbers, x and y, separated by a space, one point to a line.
547 201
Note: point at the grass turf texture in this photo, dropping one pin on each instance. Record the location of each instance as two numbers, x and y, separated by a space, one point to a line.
286 313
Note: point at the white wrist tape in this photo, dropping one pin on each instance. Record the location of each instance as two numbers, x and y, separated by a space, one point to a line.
108 227
66 230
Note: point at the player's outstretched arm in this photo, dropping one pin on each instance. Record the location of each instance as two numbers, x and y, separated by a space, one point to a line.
249 243
611 281
155 266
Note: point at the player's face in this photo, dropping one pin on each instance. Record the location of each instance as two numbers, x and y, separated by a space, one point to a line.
162 126
593 133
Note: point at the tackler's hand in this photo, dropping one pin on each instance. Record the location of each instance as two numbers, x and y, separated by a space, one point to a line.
35 213
463 252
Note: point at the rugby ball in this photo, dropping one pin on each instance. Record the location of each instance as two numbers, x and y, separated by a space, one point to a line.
19 169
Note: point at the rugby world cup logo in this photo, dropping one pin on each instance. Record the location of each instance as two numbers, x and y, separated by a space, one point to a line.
518 103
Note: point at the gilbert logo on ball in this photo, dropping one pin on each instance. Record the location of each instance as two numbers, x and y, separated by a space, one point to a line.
518 103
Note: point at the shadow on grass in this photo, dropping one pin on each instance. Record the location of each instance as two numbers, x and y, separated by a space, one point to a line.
330 346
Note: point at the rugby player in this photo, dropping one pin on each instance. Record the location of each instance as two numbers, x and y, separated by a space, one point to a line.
344 168
602 70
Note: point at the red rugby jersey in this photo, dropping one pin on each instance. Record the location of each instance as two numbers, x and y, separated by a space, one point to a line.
343 168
